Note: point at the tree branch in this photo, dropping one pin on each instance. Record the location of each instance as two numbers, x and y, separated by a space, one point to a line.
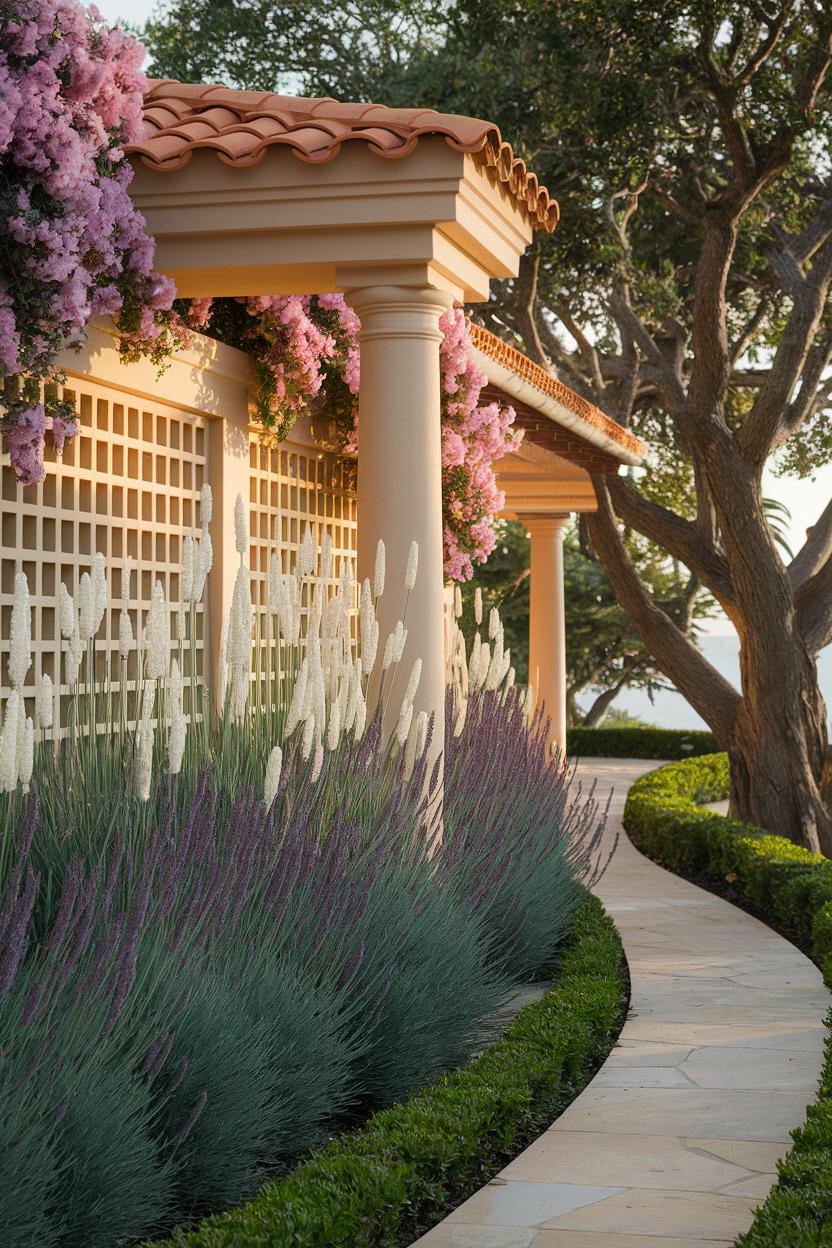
681 538
526 287
813 601
765 424
709 693
815 551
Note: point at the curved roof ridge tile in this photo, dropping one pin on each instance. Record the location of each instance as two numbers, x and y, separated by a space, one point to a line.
170 135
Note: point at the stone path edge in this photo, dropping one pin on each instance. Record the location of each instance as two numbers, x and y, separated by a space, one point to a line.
674 1143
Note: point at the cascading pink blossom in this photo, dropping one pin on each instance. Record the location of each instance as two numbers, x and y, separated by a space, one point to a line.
75 247
474 436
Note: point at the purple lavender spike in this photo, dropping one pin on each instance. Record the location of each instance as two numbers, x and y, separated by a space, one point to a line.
195 1115
17 937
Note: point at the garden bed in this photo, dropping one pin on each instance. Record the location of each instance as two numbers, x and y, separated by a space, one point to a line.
791 889
408 1165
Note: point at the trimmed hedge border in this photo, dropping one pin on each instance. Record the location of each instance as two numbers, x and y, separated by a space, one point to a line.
791 889
637 743
399 1174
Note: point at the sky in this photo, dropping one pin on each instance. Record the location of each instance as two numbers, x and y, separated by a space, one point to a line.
804 499
133 11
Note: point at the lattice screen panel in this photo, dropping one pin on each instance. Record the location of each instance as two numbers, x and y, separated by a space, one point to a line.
292 484
127 486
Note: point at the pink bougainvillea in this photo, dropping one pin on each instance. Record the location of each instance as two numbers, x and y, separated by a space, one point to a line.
306 353
75 247
474 436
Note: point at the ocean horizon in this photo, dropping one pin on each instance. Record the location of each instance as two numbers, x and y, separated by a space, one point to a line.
670 710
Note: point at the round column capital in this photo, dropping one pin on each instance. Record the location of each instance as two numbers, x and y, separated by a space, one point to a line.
545 525
399 311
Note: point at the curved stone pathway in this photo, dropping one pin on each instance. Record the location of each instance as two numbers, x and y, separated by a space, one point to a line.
675 1141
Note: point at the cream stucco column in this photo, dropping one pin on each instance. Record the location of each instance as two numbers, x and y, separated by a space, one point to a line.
547 626
400 476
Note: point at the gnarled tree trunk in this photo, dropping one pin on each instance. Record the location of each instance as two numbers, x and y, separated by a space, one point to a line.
777 749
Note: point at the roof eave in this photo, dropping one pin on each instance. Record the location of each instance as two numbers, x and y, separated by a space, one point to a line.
517 388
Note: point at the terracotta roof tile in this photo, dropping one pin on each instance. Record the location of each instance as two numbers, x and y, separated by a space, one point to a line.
519 364
240 125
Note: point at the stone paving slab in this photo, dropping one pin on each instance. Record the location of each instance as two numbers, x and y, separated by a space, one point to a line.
676 1140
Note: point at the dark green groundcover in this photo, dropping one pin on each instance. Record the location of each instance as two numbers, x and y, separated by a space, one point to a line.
407 1166
791 889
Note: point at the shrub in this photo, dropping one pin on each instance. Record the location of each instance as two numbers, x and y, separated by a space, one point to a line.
381 1185
661 743
512 844
792 889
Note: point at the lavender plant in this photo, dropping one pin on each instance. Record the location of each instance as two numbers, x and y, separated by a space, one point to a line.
220 935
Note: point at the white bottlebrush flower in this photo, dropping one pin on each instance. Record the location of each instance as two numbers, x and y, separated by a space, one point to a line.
86 608
457 601
273 769
460 719
26 762
318 761
484 665
177 734
333 735
45 702
298 701
203 562
67 613
368 652
405 720
8 743
388 652
413 682
478 605
399 641
239 642
240 527
20 635
126 569
412 566
379 572
326 557
125 634
308 738
157 626
206 505
360 717
474 663
100 590
187 574
74 651
493 622
353 694
144 746
306 554
510 678
275 588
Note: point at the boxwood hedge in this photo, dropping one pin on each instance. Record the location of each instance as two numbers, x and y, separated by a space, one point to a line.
637 743
791 889
381 1185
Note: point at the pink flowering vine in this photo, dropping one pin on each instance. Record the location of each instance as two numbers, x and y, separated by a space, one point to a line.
74 247
306 353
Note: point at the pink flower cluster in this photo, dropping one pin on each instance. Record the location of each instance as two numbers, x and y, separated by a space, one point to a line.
474 437
300 344
75 247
